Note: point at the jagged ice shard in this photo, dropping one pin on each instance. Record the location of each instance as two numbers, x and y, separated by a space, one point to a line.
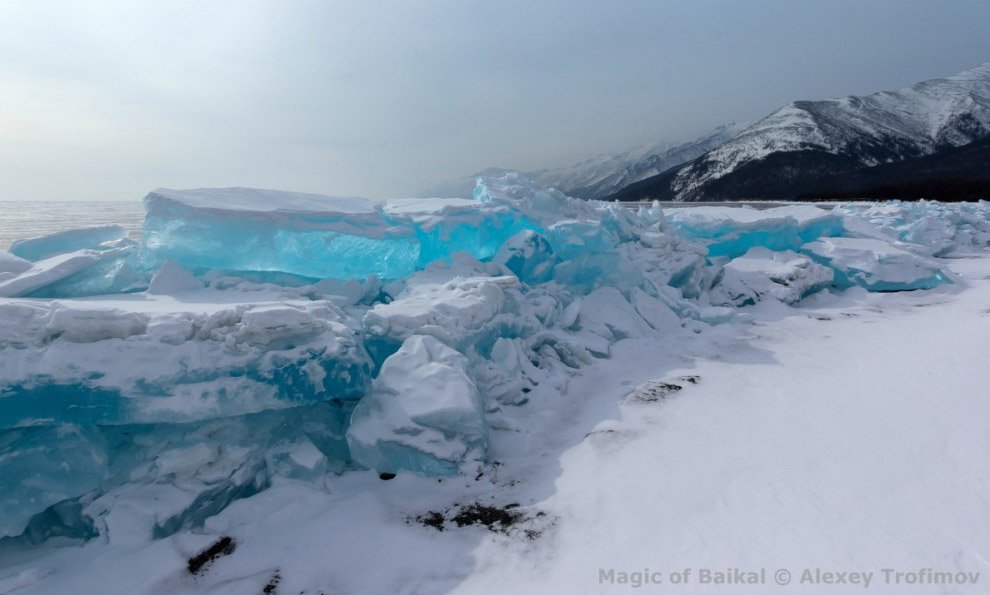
257 336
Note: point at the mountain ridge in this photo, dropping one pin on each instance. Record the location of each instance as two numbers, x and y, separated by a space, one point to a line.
606 173
806 142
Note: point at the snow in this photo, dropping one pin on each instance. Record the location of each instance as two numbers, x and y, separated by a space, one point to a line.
172 278
540 354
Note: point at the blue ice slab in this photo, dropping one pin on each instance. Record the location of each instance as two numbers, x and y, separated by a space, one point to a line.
81 273
63 242
264 230
732 231
40 467
318 236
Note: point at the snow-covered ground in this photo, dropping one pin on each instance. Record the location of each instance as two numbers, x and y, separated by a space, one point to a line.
572 398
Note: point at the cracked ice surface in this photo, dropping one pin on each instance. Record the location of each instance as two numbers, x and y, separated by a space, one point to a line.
256 336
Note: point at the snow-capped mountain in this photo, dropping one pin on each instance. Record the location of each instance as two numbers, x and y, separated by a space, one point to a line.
806 142
600 176
603 175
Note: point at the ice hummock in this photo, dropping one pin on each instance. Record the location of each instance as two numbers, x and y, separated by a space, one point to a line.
79 273
166 362
423 414
257 336
63 242
732 231
761 273
315 236
941 229
875 265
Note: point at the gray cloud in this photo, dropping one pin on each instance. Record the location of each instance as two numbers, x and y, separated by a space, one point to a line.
106 100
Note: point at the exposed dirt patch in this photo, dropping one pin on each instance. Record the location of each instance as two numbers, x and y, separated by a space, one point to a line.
508 519
221 547
493 517
271 588
432 518
653 391
690 379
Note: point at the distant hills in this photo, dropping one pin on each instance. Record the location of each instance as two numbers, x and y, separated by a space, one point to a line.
849 146
606 174
929 140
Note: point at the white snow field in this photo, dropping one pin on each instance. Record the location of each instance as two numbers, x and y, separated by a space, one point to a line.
516 392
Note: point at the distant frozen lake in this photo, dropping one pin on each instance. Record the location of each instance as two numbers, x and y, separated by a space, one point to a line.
27 219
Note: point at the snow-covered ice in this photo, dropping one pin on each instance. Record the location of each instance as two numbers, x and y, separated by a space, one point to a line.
63 242
252 367
423 414
731 231
761 273
875 265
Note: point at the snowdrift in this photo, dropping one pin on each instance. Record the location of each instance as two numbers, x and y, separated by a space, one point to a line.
256 335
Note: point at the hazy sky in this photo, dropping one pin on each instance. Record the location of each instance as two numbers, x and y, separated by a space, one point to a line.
107 100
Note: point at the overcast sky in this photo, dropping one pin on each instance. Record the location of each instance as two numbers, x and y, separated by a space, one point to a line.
107 100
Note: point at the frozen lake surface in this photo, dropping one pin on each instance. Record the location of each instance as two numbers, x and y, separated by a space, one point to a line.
28 219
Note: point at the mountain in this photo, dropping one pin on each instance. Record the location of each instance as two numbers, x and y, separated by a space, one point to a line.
959 173
607 173
809 145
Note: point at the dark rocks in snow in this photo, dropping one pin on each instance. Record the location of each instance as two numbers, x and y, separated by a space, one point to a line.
221 547
654 391
271 587
498 519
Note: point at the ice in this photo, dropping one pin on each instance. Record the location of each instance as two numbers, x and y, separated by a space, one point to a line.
63 242
11 265
317 236
423 414
529 256
87 364
732 231
944 230
762 273
43 466
875 265
285 337
80 273
452 310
